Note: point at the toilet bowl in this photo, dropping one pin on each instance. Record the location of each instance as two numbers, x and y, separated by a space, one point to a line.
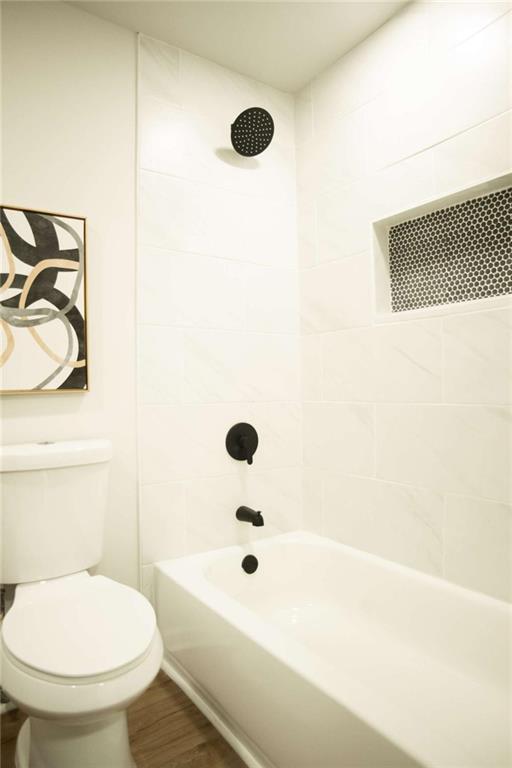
76 651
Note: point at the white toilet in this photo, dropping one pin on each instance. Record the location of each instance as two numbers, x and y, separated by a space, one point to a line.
76 649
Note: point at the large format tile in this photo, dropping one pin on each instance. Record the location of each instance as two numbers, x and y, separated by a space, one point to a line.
166 141
162 521
337 295
163 444
344 215
339 437
181 215
303 116
478 357
452 23
457 449
279 427
477 545
272 299
312 489
306 225
188 289
311 366
480 153
160 364
159 70
222 367
348 365
408 361
480 75
397 522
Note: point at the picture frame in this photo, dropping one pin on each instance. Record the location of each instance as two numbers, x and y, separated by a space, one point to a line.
43 302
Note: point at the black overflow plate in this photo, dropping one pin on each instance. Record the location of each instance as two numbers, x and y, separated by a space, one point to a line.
250 563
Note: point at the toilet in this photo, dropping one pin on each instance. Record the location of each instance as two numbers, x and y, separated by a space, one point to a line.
77 648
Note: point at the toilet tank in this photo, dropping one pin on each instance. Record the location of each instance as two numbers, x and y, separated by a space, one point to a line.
53 507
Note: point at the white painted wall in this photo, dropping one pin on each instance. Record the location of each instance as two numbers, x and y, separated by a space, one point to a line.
68 125
218 308
407 424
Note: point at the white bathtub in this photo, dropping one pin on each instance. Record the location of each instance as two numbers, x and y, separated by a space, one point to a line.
327 657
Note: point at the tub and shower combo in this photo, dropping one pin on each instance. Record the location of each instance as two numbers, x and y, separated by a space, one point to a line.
327 657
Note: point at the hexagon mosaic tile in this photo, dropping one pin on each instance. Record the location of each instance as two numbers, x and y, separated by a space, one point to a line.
459 253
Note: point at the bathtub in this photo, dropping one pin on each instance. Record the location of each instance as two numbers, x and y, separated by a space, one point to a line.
327 657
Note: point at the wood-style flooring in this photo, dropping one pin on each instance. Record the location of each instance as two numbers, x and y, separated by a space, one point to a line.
166 731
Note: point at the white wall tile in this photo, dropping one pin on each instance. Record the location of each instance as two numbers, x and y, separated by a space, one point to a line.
452 23
312 501
162 520
477 545
478 357
303 115
211 506
339 437
344 215
397 522
408 361
339 151
311 366
188 289
181 215
223 367
159 68
480 76
163 443
165 143
278 494
279 427
458 449
403 185
272 302
306 227
481 153
337 295
156 280
160 364
348 365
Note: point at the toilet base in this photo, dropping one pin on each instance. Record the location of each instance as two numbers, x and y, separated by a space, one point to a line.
60 744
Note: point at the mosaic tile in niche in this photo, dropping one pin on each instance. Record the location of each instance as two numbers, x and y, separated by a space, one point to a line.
459 253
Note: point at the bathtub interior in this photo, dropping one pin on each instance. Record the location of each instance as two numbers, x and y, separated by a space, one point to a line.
406 652
324 593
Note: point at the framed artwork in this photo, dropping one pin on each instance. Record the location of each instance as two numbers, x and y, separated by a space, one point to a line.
43 332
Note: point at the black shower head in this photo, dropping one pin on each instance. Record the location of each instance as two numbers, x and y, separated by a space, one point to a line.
252 131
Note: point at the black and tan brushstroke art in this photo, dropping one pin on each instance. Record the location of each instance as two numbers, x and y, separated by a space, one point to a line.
42 302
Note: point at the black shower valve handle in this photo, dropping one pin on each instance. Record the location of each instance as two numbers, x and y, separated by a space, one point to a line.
245 448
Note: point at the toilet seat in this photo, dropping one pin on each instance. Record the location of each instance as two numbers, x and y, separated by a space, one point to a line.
86 628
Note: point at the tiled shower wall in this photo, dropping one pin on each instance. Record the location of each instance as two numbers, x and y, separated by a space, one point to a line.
218 313
407 421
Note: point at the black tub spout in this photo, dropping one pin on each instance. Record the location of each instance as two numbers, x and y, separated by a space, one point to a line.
248 515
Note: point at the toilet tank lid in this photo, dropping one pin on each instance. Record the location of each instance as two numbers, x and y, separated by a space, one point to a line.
22 457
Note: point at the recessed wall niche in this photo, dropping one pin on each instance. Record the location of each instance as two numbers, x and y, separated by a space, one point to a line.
450 251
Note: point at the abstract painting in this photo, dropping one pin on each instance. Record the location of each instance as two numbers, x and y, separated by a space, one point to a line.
43 345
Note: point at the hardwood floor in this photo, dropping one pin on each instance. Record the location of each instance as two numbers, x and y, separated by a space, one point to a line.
166 731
